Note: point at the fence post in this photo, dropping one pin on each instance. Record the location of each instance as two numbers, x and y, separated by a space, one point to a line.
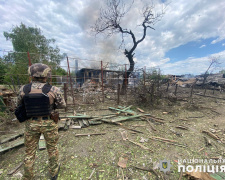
205 91
167 87
213 89
192 88
29 62
102 82
65 95
118 94
144 74
176 90
126 81
71 85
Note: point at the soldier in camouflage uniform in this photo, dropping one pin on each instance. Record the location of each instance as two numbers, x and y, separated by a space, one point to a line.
41 124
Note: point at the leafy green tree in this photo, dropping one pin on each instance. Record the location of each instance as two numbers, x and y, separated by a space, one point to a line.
29 39
3 70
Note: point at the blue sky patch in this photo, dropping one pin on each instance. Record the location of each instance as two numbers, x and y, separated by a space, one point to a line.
196 49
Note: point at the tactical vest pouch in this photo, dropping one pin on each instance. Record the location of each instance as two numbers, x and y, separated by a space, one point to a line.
20 113
37 105
34 104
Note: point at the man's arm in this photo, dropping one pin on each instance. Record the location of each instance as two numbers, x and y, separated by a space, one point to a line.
20 96
59 99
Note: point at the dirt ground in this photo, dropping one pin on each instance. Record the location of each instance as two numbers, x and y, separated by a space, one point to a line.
100 154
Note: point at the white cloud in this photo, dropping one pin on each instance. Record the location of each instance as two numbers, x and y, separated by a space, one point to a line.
192 65
202 46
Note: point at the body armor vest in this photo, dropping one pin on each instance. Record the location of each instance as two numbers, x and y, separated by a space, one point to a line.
37 103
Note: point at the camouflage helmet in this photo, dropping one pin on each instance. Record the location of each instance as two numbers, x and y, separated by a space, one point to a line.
39 70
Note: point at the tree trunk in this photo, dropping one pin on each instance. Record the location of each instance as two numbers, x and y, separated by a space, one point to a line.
127 73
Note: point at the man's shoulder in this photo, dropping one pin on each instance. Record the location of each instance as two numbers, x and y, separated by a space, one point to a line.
55 89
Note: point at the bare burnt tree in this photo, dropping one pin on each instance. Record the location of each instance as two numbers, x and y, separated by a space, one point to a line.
109 23
213 62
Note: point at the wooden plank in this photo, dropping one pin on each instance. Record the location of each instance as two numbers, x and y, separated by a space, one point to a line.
124 109
74 127
126 118
13 145
81 123
86 123
120 110
105 117
11 137
15 169
140 110
68 122
94 122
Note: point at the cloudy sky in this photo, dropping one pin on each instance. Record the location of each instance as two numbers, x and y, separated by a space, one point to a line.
190 33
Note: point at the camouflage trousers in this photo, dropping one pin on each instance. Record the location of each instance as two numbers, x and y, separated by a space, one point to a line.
33 130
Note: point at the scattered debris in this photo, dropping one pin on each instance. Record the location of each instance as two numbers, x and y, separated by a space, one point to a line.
207 141
150 124
198 175
123 161
168 140
90 134
124 135
149 170
121 110
211 135
93 171
140 110
182 127
143 140
126 118
138 144
176 133
201 149
75 127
